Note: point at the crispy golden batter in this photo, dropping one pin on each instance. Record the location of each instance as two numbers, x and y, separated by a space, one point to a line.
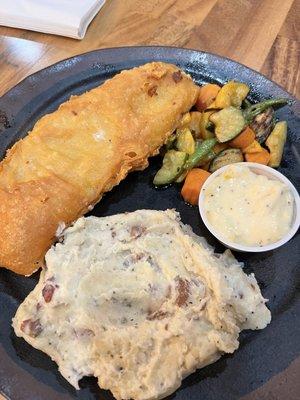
74 155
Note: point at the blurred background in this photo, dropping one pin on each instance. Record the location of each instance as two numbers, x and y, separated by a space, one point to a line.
263 35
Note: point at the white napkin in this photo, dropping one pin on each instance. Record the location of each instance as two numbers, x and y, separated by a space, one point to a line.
60 17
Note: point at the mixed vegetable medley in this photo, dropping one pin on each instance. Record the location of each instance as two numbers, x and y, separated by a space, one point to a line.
225 128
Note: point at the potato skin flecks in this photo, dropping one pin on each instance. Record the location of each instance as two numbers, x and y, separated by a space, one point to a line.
140 309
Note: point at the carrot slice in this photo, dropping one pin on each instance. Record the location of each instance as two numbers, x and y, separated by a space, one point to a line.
244 139
207 95
193 184
263 157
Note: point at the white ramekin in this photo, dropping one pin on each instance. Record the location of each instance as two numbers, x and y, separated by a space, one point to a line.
270 173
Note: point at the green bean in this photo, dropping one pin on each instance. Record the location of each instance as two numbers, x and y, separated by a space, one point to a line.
200 154
252 111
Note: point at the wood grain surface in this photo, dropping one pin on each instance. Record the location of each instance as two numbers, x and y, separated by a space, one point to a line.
262 34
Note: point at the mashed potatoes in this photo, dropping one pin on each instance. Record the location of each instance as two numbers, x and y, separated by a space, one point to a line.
138 301
248 208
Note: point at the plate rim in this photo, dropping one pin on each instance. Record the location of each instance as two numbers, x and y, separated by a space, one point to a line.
190 50
11 92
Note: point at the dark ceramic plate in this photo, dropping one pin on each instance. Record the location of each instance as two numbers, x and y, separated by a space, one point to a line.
28 374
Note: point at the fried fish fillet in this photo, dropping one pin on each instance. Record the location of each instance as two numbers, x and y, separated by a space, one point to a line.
80 151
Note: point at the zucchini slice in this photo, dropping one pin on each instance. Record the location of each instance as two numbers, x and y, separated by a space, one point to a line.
204 123
226 157
185 141
229 122
182 177
172 167
276 142
232 94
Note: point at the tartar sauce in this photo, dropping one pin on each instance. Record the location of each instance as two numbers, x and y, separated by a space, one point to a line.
247 208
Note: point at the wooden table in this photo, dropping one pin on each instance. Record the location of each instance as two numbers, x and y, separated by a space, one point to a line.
262 34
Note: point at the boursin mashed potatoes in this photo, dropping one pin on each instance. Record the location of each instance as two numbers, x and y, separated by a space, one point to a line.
138 301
